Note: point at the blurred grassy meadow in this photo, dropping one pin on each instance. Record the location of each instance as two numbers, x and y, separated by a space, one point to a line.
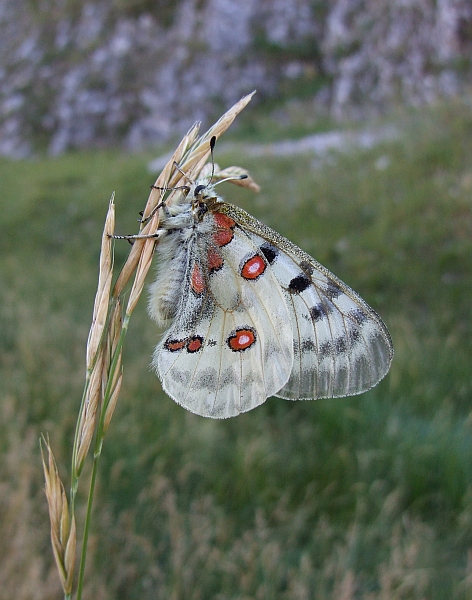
365 497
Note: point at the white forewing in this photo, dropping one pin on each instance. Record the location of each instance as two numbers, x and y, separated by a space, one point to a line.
341 346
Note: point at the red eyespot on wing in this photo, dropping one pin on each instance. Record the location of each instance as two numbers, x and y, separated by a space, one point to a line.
197 281
223 221
223 237
174 345
242 339
194 343
215 260
224 233
253 267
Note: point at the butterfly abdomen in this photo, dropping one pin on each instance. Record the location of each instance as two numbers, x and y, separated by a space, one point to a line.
166 291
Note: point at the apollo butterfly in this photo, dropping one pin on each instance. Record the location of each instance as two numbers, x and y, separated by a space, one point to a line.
250 315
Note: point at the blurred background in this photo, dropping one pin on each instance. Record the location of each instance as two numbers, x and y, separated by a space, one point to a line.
360 136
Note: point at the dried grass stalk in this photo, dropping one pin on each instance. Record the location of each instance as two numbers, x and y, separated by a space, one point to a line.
200 152
102 296
63 532
114 386
95 353
88 414
104 346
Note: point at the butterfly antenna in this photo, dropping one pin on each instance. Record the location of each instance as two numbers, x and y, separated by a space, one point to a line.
234 178
212 148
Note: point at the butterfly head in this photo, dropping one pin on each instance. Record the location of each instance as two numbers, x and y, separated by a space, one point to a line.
203 198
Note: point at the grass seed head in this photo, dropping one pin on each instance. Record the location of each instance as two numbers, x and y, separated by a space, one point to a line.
102 298
63 533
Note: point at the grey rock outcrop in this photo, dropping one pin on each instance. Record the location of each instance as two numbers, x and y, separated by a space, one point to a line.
107 72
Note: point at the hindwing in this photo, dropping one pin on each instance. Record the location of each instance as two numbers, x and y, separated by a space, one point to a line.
230 343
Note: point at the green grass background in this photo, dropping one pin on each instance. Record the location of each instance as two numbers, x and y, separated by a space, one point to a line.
364 497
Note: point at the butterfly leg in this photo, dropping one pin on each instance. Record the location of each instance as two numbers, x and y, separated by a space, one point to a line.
162 204
139 236
144 220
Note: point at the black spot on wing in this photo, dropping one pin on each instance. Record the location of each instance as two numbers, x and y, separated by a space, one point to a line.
332 290
318 312
270 252
358 316
308 345
340 345
354 336
307 267
299 284
337 346
326 349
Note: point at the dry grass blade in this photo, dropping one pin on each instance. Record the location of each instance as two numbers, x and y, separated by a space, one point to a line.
63 534
114 330
113 400
102 297
114 333
94 354
201 150
88 416
98 383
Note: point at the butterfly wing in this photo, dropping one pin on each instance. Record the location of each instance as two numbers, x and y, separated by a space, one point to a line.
230 345
341 346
